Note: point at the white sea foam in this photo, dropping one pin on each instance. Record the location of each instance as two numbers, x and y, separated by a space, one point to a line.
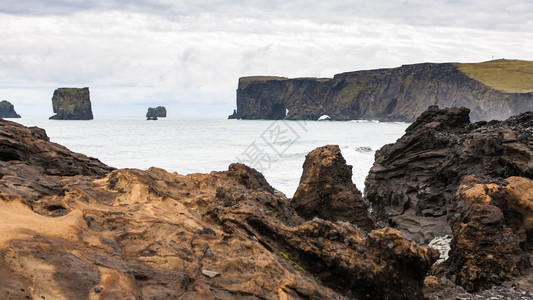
192 145
441 244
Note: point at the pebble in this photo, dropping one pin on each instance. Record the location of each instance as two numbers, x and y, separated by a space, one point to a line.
209 273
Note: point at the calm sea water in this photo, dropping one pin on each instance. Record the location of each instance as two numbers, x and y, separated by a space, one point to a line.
202 145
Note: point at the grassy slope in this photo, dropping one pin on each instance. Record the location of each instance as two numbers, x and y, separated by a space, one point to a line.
513 76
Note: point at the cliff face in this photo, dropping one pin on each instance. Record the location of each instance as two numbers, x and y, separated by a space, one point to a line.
72 104
7 110
398 94
157 112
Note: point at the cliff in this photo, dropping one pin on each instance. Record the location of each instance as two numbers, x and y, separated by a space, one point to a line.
491 90
72 104
7 110
157 112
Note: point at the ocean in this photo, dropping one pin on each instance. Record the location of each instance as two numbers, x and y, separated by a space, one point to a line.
200 144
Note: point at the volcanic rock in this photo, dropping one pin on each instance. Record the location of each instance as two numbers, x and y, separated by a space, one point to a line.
153 235
157 112
72 104
32 147
413 182
7 110
326 190
491 90
493 232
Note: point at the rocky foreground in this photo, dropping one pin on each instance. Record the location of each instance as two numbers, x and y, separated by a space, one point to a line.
74 228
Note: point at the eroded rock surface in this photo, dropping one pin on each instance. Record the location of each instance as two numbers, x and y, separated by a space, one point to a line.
493 232
413 182
158 235
326 190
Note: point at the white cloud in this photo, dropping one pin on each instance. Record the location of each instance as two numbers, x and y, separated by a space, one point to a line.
193 54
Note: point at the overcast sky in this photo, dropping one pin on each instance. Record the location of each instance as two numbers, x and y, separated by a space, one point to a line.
189 54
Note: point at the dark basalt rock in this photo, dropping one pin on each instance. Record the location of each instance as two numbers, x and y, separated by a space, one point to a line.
157 112
326 190
396 94
7 110
72 104
412 183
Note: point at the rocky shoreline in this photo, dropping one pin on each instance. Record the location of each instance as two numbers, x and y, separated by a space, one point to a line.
74 228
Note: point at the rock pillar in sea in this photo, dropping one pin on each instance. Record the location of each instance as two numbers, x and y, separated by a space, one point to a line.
72 104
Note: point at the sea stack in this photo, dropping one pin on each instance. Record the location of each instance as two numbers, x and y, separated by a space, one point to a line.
72 104
158 112
7 110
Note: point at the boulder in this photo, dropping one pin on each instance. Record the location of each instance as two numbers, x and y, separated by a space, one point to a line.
157 112
413 182
72 104
326 190
493 232
7 110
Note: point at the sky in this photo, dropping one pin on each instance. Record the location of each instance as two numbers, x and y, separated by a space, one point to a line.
188 55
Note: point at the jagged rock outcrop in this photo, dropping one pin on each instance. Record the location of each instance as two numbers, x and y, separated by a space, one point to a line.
158 235
72 104
157 112
413 182
326 190
32 147
7 110
31 165
493 232
397 94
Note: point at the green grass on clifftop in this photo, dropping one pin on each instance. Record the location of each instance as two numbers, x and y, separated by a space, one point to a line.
245 81
512 76
5 103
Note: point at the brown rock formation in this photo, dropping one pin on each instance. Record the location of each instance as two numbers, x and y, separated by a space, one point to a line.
413 182
158 235
326 190
493 232
31 146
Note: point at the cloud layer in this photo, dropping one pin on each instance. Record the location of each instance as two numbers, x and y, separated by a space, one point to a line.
190 55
